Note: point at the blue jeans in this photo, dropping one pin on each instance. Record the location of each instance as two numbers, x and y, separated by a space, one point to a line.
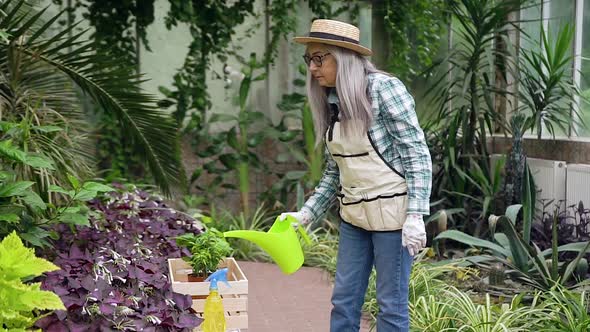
357 252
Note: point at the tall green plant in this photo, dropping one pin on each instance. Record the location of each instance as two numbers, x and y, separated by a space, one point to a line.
32 59
233 151
463 97
529 202
547 88
466 99
117 28
515 164
519 185
486 187
21 302
300 144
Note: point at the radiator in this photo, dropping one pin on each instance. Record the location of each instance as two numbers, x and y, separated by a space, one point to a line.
565 184
550 180
578 184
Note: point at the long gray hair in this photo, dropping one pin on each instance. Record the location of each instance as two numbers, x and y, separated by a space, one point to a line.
356 115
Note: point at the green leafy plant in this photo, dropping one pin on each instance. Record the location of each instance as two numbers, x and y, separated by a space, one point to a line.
426 280
39 75
414 29
207 250
118 28
547 87
515 163
487 188
463 95
568 310
233 151
519 184
487 317
322 250
212 25
466 97
297 135
527 263
21 303
22 206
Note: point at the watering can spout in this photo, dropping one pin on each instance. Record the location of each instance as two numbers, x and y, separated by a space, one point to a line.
280 242
253 236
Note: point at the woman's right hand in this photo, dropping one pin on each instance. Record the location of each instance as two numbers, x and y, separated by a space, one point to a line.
303 217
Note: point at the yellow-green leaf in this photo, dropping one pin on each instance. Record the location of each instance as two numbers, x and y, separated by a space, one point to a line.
41 299
18 261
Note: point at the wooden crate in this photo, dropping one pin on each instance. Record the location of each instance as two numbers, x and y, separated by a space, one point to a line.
235 298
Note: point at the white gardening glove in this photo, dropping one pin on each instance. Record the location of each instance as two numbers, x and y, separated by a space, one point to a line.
303 217
414 234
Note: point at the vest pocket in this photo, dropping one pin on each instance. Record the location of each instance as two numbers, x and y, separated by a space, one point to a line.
394 212
386 213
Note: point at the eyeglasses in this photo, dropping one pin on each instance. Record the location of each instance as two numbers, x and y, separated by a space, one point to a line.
317 59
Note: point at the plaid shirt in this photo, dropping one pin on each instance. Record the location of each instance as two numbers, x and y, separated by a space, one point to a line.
399 140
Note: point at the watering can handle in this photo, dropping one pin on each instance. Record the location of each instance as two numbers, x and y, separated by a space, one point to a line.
304 234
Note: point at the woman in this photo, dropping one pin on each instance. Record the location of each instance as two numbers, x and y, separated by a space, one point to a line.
378 168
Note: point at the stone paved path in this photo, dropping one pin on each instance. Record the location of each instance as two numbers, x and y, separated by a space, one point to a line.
295 303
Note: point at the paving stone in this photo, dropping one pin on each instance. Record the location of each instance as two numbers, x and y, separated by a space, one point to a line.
283 303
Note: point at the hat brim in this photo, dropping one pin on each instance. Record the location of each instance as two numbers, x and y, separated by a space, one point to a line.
351 46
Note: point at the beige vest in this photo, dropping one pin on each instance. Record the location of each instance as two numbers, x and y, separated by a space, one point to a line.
371 195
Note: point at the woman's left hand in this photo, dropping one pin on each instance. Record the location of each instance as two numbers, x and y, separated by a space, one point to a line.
414 233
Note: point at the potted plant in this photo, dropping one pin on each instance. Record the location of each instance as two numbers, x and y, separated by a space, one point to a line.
207 250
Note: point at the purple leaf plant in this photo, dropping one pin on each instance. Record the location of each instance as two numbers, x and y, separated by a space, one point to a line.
114 274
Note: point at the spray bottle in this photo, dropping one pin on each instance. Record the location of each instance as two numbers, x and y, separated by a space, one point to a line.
214 314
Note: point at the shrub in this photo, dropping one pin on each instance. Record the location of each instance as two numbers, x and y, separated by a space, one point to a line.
114 273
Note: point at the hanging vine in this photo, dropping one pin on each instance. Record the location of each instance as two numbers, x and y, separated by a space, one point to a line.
212 25
117 24
414 29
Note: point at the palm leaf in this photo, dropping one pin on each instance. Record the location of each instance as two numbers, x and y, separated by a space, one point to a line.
115 89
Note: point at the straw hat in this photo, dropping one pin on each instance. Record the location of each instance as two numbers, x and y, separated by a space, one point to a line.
334 33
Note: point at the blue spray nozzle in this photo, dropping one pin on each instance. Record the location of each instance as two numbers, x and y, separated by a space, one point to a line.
219 275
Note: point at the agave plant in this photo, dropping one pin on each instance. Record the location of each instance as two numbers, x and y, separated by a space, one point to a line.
528 264
40 75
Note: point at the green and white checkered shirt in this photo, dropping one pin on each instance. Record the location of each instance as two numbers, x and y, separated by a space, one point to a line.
398 138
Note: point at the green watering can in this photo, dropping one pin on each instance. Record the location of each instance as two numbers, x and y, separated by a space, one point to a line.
280 242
